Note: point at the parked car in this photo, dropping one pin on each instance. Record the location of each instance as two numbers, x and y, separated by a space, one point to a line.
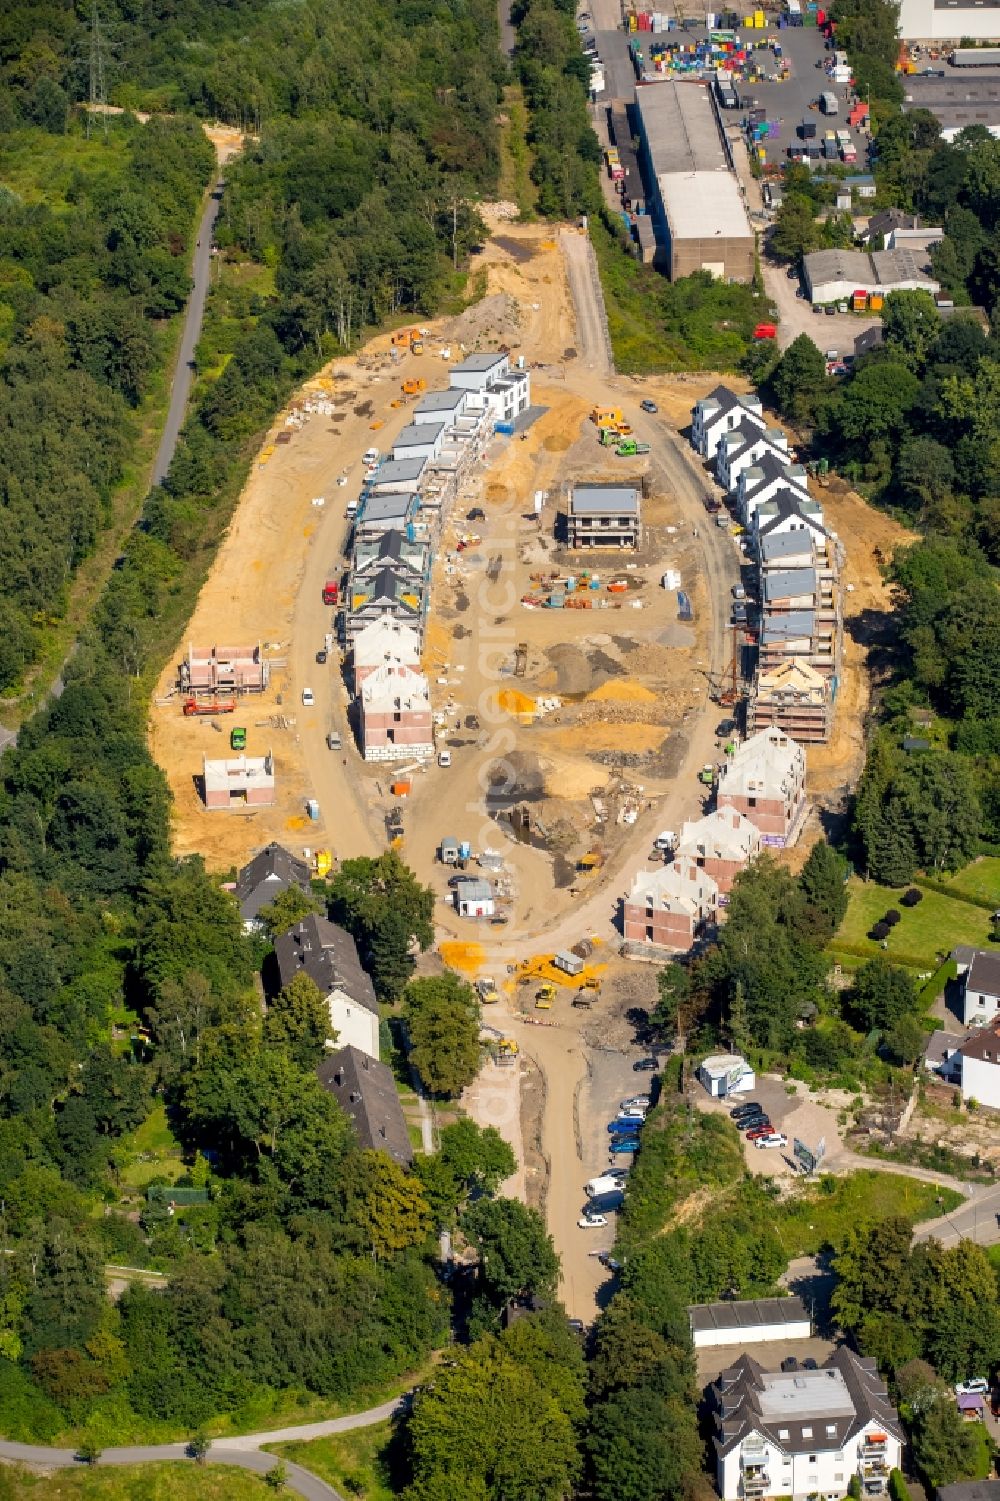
770 1139
756 1133
649 406
621 1144
633 1113
809 1364
748 1107
725 727
645 1066
641 1100
751 1118
576 1326
476 514
975 1387
333 741
321 656
789 1364
606 1259
625 1125
592 1221
738 591
307 697
608 1182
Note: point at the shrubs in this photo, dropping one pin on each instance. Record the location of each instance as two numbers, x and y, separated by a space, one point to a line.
911 898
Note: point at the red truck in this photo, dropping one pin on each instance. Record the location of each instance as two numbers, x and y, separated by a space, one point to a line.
331 592
765 331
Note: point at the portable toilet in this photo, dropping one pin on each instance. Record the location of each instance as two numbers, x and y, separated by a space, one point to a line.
312 808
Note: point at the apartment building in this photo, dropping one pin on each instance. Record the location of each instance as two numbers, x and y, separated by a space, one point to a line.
765 781
670 906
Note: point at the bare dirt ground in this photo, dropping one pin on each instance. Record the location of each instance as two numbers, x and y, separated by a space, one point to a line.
612 716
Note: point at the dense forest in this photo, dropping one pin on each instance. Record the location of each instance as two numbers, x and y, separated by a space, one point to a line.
129 1025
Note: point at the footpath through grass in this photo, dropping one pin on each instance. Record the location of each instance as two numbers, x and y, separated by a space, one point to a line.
925 933
356 1464
152 1482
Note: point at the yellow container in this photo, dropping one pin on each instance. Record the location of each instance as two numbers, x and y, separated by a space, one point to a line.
758 19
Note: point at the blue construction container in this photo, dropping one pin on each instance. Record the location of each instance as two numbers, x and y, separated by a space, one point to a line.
507 428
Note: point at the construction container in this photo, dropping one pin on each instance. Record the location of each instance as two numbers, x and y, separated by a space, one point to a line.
859 302
876 302
570 964
401 789
312 808
506 428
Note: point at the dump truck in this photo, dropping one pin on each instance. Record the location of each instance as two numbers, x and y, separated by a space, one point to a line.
331 592
200 706
630 448
608 437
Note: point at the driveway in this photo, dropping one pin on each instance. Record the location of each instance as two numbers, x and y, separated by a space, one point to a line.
795 1115
796 316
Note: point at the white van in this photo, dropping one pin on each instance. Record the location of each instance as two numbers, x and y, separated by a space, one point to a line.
444 758
370 456
666 840
605 1184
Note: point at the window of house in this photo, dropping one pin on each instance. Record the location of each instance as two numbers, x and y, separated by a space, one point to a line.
839 1478
782 1432
807 1433
831 1430
812 1459
752 802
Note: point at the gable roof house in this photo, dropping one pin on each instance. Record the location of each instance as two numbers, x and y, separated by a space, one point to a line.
366 1091
271 871
978 1060
385 641
760 481
981 994
805 1432
394 713
720 412
722 843
391 549
668 907
795 699
745 446
385 591
765 780
786 512
329 956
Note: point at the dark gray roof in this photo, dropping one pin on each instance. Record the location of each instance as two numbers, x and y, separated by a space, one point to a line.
748 1314
398 471
786 583
788 627
478 364
887 219
846 1393
785 545
603 500
770 467
417 434
787 505
366 1091
970 1490
984 973
441 401
271 870
328 955
730 401
940 1046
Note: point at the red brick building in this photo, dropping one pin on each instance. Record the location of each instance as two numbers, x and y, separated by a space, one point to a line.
722 844
395 715
765 781
667 907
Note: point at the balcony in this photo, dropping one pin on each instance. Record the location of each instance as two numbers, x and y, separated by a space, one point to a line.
756 1483
873 1447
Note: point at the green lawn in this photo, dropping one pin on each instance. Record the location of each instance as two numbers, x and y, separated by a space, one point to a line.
151 1151
356 1464
807 1222
981 880
924 932
156 1482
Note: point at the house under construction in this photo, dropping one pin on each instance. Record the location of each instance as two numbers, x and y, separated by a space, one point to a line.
796 699
224 669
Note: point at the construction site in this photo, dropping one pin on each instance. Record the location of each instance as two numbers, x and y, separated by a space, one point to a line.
576 693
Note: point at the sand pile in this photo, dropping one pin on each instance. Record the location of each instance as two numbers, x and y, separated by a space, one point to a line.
622 690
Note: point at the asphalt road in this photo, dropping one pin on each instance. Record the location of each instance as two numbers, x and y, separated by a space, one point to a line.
180 389
245 1452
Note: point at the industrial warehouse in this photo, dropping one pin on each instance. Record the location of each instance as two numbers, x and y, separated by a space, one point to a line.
696 203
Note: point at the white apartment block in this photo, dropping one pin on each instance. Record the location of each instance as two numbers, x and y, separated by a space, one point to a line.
804 1433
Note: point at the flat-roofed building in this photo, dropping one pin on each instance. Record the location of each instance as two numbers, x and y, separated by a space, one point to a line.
400 475
442 406
238 782
748 1322
419 440
695 201
604 516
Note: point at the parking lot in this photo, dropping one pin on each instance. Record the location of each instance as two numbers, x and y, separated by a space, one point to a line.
797 1114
